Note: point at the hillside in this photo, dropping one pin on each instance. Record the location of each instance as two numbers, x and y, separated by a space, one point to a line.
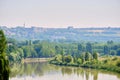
63 34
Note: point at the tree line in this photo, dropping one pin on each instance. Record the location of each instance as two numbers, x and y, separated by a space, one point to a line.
17 50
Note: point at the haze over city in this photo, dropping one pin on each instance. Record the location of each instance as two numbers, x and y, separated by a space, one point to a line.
60 13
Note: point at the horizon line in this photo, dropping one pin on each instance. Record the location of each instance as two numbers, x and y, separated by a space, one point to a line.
61 27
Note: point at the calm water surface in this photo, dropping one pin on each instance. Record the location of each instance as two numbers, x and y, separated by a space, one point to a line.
45 71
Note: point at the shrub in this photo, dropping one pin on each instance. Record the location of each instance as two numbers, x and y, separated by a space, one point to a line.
94 61
118 64
105 61
58 58
115 58
68 59
79 61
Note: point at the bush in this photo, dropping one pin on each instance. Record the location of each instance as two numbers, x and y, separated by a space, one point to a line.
58 58
68 59
79 61
88 62
114 59
118 64
105 61
94 61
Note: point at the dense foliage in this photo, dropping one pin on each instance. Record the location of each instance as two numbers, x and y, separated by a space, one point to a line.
4 63
17 50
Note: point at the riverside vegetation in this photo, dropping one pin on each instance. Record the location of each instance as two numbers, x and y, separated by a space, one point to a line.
97 55
106 63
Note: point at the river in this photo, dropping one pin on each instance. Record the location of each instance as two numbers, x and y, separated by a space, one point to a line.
46 71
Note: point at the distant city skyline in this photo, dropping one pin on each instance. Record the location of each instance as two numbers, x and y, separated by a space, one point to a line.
60 13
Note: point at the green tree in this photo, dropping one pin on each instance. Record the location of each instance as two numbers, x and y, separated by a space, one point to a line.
20 50
62 53
95 55
4 63
58 58
79 61
51 52
87 56
118 64
38 48
12 56
82 56
68 58
27 52
33 53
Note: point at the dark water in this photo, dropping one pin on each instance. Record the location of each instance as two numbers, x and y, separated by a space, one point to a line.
45 71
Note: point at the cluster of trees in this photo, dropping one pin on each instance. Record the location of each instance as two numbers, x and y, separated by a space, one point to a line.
83 58
4 63
28 49
109 48
17 50
86 57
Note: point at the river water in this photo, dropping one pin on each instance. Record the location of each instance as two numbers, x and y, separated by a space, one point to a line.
46 71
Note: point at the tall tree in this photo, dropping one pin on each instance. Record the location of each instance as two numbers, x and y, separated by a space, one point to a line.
95 55
4 63
62 53
87 56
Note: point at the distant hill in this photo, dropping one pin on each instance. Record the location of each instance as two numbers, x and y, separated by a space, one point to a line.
63 34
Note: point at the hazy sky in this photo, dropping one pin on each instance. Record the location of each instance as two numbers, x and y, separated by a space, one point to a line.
60 13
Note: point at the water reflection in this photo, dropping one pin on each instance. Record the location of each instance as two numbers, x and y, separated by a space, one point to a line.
41 70
28 69
86 74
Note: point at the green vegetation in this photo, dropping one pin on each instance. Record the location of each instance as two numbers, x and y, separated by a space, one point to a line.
105 63
18 50
89 57
75 53
85 54
4 63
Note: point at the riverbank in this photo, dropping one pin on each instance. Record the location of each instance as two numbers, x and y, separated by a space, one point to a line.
111 64
92 66
27 60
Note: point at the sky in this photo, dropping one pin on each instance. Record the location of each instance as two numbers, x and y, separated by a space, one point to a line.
60 13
